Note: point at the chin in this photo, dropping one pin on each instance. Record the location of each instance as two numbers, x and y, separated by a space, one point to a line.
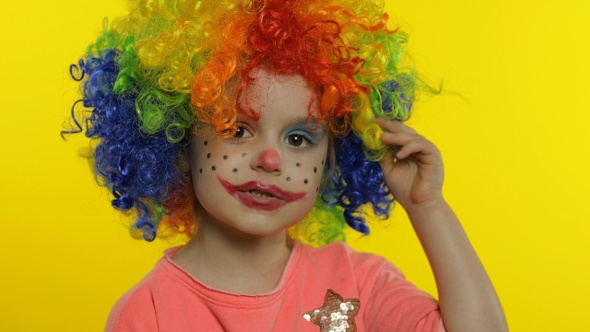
260 225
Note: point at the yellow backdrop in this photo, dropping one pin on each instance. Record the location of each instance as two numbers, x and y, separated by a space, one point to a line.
514 138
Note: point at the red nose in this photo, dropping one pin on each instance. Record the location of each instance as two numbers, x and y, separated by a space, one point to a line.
269 160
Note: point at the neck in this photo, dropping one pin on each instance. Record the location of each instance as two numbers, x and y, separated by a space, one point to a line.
231 261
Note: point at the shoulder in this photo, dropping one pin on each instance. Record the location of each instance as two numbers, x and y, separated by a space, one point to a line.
339 253
333 249
135 310
359 268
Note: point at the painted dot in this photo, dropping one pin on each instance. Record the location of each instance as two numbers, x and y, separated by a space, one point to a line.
305 181
212 168
235 170
315 169
322 162
224 157
205 143
298 164
288 178
200 170
208 155
243 154
317 189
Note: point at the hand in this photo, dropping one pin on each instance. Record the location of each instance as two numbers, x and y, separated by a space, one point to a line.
413 174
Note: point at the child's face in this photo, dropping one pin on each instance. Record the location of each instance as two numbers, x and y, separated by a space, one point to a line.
267 177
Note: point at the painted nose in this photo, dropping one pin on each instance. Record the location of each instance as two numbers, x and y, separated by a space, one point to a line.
268 160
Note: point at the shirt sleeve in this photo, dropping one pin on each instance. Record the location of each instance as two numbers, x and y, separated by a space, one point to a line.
395 304
135 311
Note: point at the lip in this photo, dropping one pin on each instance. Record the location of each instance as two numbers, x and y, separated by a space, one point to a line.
278 198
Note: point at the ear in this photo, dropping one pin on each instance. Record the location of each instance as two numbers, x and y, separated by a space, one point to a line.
329 166
184 162
185 166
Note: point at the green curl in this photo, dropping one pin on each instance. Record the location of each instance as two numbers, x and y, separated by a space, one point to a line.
129 63
107 40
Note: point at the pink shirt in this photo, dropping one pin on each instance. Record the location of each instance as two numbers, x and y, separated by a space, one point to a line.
367 292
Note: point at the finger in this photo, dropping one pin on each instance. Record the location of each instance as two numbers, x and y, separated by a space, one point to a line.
421 149
388 160
394 126
398 138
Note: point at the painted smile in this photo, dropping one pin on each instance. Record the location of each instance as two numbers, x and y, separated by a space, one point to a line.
260 196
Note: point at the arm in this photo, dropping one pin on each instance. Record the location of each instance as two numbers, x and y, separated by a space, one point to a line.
468 301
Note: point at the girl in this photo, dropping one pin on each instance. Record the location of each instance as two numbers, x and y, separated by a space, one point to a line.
256 129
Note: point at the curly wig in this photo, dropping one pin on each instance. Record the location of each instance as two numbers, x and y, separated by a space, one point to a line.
155 73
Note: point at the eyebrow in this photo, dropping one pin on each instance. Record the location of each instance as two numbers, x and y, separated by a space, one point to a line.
309 124
317 132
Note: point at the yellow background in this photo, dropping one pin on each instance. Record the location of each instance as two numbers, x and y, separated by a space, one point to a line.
515 143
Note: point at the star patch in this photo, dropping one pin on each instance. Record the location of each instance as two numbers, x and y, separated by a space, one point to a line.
336 315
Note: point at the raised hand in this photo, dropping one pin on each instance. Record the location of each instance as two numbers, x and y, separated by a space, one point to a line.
414 174
413 170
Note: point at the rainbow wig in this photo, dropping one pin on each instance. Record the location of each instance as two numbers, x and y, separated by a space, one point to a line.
156 73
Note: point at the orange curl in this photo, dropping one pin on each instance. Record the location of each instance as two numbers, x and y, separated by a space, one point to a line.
209 86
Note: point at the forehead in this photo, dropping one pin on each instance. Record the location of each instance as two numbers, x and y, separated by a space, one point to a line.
270 92
266 79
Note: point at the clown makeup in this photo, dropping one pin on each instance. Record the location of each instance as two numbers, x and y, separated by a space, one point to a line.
266 177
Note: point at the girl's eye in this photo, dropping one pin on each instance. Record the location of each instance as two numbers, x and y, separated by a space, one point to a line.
297 140
242 132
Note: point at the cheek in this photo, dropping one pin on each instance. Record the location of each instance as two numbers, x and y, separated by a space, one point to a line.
304 172
211 158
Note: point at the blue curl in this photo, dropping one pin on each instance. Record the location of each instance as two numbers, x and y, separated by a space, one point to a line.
357 181
78 128
77 68
147 229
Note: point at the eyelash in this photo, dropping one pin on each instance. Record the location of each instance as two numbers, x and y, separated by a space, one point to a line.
244 127
308 141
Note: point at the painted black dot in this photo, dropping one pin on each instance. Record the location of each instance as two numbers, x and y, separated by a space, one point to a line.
224 157
305 181
235 170
212 168
322 162
298 164
243 154
205 143
288 178
208 155
315 169
317 189
200 170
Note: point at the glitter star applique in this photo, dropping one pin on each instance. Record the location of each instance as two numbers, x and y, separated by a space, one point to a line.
337 314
